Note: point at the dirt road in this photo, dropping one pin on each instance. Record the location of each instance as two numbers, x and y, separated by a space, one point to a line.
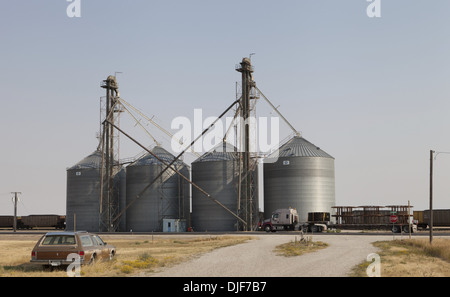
256 258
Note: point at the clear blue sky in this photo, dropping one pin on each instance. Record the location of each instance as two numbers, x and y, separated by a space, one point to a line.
372 92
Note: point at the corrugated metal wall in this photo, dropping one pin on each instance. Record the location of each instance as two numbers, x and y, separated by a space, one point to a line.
167 198
214 173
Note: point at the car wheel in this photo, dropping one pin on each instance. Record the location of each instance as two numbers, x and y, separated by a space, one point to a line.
111 255
92 260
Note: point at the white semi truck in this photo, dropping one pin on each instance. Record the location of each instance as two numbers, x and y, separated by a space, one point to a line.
287 219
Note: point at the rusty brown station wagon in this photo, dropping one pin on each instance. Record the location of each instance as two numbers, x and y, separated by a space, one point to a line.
61 248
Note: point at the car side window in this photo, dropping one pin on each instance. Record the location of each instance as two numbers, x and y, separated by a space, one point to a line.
94 240
97 240
86 240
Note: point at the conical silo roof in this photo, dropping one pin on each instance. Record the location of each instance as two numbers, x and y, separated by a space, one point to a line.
92 161
161 153
167 198
299 147
221 152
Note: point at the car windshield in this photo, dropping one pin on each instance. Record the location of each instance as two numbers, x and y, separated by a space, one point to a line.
58 240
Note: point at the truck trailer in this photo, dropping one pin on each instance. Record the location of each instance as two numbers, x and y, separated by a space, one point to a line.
347 218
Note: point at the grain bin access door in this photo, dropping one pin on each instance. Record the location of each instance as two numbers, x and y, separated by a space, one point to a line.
174 225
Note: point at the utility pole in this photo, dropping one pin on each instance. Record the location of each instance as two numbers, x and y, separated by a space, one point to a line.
15 209
431 196
409 218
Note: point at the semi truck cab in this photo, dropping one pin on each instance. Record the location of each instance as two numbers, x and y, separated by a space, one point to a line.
281 219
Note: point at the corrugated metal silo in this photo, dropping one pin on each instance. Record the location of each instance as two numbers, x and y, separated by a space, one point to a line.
303 177
83 194
215 172
120 181
167 198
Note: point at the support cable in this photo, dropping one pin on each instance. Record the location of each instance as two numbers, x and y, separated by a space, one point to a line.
123 102
174 169
279 113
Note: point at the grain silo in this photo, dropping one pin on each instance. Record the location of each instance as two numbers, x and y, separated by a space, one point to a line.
167 198
83 194
302 177
120 181
216 173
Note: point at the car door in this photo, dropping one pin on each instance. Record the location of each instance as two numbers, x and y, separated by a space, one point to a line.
101 249
88 247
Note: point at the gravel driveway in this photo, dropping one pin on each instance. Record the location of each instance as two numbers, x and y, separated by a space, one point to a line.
257 259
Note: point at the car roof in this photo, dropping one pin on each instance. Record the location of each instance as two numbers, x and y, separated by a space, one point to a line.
65 233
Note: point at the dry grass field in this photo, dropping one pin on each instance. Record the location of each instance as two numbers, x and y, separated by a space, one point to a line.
412 258
138 254
135 254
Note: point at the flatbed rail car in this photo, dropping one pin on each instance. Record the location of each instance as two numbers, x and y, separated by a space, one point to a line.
395 228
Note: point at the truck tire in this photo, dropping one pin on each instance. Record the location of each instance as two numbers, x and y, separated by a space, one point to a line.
406 229
396 229
267 228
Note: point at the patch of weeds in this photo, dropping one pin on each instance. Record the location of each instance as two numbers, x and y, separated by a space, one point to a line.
180 242
297 248
127 269
144 261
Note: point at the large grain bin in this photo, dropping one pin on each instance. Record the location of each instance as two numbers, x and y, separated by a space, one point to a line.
299 175
167 198
120 187
215 172
83 194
